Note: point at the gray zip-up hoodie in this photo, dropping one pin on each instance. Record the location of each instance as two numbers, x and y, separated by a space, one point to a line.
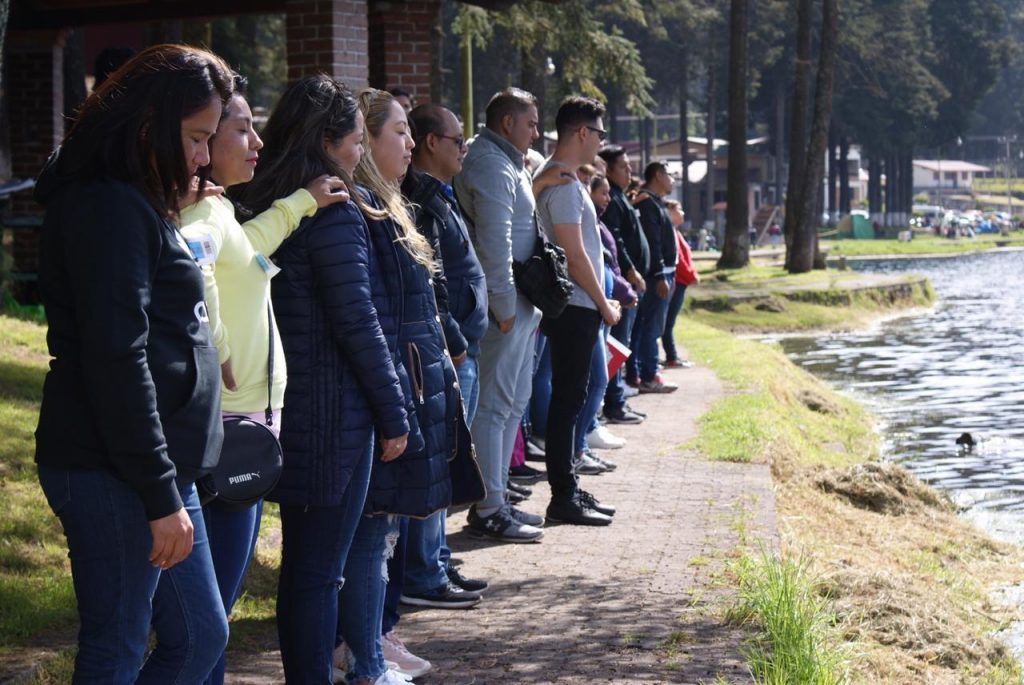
496 195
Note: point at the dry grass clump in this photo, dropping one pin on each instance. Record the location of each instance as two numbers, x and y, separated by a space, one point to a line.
882 488
911 591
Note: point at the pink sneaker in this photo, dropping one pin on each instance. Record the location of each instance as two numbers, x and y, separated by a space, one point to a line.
405 661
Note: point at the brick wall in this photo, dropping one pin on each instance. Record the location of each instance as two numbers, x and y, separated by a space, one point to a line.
401 44
328 36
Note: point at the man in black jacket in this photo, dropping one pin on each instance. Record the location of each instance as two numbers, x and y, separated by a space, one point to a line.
660 277
634 260
461 292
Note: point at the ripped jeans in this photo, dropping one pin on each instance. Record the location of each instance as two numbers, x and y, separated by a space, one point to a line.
361 599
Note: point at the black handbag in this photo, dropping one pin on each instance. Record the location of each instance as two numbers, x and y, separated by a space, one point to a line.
543 279
463 468
251 459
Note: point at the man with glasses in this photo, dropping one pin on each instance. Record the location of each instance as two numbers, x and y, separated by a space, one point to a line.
496 195
568 217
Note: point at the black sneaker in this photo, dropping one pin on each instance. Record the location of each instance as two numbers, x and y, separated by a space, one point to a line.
591 501
525 517
515 497
523 490
448 596
576 512
527 475
501 526
606 464
467 584
584 465
641 414
624 416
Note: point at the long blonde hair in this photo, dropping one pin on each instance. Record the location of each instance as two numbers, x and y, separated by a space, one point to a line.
376 108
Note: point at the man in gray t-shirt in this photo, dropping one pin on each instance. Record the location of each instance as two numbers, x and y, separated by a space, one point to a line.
567 216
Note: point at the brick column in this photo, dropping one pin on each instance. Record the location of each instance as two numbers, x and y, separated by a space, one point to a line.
328 36
34 81
401 44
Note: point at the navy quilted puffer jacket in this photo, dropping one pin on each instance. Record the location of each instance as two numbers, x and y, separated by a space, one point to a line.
417 483
339 321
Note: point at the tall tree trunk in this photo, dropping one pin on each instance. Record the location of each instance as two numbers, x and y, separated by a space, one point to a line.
684 131
780 147
844 176
831 193
875 187
709 180
805 241
891 173
798 126
736 250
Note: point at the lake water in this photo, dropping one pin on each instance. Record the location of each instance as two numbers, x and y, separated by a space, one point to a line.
932 376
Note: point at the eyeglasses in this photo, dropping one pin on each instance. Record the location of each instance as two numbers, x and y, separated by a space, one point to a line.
602 135
458 140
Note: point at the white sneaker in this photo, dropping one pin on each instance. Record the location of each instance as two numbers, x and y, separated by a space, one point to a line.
629 391
392 677
405 661
602 439
343 659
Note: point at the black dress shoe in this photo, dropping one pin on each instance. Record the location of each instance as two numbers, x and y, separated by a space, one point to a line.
591 501
515 497
575 512
523 490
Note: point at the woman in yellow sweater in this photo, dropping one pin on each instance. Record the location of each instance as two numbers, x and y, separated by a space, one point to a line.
236 271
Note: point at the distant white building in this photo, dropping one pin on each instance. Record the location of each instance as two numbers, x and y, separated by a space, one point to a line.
943 174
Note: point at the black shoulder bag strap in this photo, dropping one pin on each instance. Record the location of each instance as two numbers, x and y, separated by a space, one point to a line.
270 366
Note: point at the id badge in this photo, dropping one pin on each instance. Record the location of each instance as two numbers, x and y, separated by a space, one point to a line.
202 249
269 268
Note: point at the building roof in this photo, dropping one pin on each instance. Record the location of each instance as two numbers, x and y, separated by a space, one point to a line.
949 165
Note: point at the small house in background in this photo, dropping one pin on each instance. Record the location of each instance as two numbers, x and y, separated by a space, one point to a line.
939 177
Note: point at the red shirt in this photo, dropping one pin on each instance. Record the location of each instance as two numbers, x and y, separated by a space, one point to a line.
685 273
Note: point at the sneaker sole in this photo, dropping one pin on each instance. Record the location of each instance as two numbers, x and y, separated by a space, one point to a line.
594 524
436 604
604 445
502 538
527 480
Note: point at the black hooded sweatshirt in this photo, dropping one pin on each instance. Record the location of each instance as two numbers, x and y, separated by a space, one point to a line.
134 384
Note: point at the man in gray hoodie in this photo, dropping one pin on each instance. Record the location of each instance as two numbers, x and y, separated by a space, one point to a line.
496 194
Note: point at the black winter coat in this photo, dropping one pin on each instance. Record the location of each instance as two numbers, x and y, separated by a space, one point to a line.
339 322
621 219
417 483
460 287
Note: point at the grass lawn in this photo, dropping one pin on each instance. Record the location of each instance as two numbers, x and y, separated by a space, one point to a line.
877 580
920 245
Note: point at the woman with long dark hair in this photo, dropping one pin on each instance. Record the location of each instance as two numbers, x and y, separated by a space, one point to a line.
346 387
131 414
236 274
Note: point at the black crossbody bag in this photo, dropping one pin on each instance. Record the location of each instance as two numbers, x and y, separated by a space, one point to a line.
543 278
251 459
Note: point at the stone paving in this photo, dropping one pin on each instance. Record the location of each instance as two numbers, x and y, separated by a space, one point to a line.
640 601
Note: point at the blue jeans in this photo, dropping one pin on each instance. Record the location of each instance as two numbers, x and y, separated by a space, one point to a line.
120 595
595 391
675 305
469 382
614 397
540 402
361 599
232 536
650 324
314 549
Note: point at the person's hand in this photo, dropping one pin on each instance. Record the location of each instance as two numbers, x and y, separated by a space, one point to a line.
392 448
661 288
227 376
457 361
195 193
554 175
637 281
696 278
327 190
506 325
172 539
611 312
